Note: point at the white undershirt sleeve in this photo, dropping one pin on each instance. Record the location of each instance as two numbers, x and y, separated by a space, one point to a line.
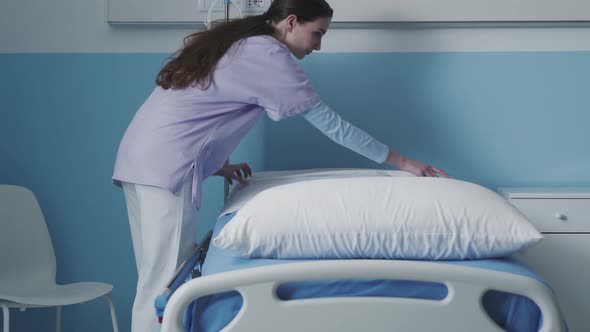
345 134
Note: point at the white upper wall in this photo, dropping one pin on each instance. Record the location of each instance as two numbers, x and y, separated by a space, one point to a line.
78 26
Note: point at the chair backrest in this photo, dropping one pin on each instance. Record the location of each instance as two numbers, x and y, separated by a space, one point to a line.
27 257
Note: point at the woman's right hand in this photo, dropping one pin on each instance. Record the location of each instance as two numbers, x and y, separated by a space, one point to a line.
415 167
420 169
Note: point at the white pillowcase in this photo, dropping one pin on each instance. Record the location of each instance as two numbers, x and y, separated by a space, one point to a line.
261 181
377 217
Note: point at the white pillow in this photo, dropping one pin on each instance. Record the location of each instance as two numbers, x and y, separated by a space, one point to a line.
260 181
377 217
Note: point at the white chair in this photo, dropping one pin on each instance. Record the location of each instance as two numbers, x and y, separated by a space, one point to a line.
27 261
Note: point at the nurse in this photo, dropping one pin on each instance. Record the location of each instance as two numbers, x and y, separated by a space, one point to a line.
207 98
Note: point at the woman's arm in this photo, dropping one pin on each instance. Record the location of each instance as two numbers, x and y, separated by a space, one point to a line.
345 134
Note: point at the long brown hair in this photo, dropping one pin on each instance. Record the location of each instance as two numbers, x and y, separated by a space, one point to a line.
195 62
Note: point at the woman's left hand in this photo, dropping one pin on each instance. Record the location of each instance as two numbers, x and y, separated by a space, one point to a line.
239 172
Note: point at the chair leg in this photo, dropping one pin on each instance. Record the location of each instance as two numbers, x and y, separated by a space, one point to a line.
113 313
6 320
58 318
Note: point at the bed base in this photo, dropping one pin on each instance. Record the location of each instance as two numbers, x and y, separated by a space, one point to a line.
460 311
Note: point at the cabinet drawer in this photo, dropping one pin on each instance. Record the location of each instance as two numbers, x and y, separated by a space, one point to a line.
556 215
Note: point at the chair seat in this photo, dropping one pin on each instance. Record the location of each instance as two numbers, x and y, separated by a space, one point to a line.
56 295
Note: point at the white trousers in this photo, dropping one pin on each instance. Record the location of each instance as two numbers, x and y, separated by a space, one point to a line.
163 229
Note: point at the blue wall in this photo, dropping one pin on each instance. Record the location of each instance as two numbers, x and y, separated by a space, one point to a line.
494 118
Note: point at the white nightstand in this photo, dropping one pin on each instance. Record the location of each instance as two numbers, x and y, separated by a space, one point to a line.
562 258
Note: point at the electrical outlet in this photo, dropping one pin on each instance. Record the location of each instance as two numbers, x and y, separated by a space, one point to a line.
247 6
219 6
255 5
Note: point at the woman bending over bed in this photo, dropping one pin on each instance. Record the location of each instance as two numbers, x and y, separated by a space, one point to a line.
208 97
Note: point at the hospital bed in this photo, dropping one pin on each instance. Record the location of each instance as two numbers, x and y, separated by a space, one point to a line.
216 290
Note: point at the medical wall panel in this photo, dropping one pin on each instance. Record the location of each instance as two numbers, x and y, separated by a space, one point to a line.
373 11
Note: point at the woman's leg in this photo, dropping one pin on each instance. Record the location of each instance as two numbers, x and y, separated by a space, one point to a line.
163 232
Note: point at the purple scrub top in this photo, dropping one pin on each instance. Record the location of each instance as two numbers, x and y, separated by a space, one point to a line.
188 132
